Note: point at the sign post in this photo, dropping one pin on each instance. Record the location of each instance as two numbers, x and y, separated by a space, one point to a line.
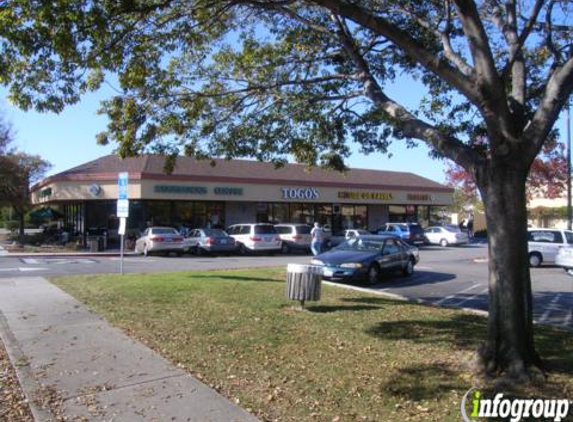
122 211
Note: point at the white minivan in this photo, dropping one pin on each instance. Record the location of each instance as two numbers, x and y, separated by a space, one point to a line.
255 237
545 243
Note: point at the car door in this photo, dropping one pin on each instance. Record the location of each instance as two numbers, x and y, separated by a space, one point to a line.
391 258
194 238
545 241
432 234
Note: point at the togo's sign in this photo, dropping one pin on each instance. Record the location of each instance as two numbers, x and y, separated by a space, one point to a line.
300 193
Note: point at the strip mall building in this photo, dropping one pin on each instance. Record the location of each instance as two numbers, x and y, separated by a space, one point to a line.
197 194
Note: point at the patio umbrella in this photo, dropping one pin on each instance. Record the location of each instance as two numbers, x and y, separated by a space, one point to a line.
45 213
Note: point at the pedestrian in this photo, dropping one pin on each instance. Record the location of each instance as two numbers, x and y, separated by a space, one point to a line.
317 238
470 226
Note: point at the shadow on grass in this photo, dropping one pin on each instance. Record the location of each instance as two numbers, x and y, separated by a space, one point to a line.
324 309
234 278
423 382
469 331
461 330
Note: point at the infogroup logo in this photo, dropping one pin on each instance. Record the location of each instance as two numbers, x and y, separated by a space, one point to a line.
475 406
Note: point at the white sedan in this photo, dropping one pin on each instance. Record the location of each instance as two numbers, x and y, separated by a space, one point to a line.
564 259
445 235
161 240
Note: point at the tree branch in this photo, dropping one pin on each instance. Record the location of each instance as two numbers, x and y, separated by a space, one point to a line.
409 125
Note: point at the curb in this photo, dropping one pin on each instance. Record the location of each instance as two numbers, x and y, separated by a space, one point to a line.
23 372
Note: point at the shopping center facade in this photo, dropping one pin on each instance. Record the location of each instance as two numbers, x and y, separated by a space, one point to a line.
224 192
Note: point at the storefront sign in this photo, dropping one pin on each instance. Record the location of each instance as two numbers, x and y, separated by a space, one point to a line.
187 190
421 197
378 196
300 193
228 191
44 193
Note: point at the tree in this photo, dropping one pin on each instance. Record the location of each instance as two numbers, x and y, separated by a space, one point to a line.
283 78
547 176
17 171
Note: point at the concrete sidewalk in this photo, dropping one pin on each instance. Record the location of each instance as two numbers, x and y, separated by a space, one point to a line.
83 369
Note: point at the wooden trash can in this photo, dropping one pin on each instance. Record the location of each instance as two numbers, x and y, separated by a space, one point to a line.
303 282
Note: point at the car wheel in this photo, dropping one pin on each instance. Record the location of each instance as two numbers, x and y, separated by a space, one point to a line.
145 250
569 271
373 274
243 249
535 259
198 250
179 253
409 268
444 243
285 248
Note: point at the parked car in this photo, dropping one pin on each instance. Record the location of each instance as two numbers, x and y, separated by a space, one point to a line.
337 239
294 237
545 243
206 240
445 236
564 258
368 257
408 232
160 240
256 237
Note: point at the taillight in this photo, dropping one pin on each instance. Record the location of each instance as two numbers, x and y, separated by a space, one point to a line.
156 239
296 237
255 239
209 241
178 239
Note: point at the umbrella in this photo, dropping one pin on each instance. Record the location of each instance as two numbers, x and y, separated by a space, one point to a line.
45 213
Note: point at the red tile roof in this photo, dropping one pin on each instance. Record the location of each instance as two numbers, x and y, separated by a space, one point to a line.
242 171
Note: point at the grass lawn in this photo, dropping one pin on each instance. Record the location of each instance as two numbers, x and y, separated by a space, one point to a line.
350 357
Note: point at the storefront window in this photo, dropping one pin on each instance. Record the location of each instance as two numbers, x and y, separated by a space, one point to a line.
263 215
347 212
396 214
324 215
158 213
423 215
280 213
360 217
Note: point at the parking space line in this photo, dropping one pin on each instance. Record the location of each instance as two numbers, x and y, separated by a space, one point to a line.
549 308
472 297
568 318
445 299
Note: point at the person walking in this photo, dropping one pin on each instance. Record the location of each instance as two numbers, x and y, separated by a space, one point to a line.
317 239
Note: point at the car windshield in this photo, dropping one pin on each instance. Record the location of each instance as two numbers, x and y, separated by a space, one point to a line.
164 231
215 232
359 244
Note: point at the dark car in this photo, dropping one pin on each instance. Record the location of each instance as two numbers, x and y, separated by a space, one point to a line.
202 241
367 257
412 233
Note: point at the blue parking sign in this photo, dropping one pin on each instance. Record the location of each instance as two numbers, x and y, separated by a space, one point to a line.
122 183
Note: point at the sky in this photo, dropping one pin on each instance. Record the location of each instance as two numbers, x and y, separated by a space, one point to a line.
68 139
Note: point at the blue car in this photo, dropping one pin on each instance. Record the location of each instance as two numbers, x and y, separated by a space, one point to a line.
368 257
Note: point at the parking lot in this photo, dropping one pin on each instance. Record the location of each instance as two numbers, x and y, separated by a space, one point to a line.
454 277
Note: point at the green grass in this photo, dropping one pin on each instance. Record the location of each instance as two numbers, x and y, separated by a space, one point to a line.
349 357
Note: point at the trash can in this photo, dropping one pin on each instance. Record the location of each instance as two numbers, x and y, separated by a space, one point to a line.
303 282
93 244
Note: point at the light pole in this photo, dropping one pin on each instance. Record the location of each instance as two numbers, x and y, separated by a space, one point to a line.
569 211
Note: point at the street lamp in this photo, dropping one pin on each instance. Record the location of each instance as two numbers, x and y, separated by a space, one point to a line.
568 124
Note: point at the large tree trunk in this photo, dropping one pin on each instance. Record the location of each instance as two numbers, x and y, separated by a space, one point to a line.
509 349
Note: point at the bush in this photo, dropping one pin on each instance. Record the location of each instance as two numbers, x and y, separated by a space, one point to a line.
12 225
